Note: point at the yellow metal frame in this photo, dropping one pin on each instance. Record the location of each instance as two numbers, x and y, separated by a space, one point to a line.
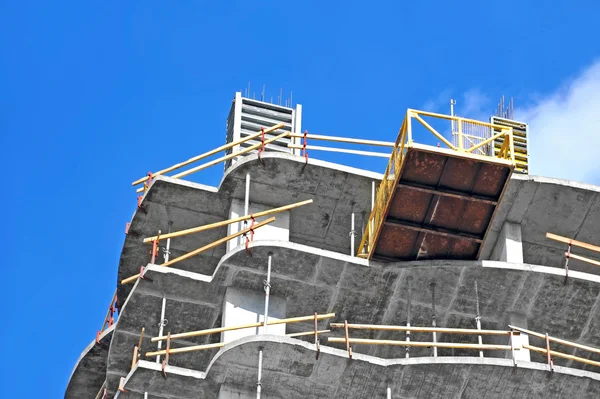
405 141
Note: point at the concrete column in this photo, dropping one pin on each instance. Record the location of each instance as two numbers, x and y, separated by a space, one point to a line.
509 246
278 230
244 307
237 123
519 320
297 128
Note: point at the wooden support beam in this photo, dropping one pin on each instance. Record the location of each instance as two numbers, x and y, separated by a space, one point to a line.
301 334
556 340
420 329
186 349
195 348
342 150
431 230
447 193
227 222
574 243
583 259
341 340
204 248
209 153
243 326
343 139
230 156
561 354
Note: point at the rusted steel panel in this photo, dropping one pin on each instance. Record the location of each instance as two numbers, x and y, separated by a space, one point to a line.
396 242
423 167
476 218
409 205
459 174
491 181
434 223
446 212
463 249
433 247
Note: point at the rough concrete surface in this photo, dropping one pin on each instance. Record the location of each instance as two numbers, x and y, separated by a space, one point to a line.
89 372
544 205
313 275
361 292
337 191
291 370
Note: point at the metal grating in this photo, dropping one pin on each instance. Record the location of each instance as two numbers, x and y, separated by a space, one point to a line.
247 116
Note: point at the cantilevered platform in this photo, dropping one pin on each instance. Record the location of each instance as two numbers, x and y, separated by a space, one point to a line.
436 203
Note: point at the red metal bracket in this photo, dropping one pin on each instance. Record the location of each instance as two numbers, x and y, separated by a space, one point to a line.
251 235
127 225
154 251
98 337
165 361
262 147
139 201
304 148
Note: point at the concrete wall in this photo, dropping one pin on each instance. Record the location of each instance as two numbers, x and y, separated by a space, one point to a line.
244 307
228 392
509 246
278 230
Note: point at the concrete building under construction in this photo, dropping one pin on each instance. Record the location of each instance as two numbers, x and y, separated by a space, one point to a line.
453 273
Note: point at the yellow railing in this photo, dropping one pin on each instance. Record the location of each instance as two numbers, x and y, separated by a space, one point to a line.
465 144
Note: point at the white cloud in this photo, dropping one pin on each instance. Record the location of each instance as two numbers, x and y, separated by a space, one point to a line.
442 101
564 130
475 105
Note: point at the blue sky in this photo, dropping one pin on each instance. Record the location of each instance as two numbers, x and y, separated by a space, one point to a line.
95 94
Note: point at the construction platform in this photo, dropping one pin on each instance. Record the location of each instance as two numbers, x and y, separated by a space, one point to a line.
437 203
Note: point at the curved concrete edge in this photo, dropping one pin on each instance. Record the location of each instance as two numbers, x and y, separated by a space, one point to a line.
105 339
252 158
263 341
558 182
369 263
302 161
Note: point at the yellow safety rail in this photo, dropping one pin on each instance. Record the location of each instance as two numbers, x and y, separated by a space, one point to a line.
465 145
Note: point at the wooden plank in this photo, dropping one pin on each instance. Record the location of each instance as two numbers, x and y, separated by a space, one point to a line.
575 243
204 248
243 326
186 349
418 344
557 340
228 157
342 150
209 153
420 329
447 193
301 334
343 140
227 222
583 259
561 354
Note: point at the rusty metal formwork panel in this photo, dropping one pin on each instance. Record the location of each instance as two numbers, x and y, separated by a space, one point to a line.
442 206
